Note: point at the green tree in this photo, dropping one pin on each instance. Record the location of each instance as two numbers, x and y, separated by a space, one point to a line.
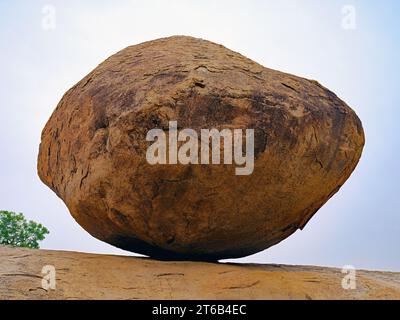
16 231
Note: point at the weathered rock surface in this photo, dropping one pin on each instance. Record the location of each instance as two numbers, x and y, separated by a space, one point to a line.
92 154
91 276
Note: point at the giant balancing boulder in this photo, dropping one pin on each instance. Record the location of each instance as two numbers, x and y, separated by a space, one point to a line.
94 152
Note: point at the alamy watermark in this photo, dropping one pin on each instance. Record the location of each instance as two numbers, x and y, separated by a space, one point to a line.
165 149
349 17
49 277
49 19
349 281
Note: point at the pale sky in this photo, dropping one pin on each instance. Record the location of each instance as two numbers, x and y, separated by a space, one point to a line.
360 226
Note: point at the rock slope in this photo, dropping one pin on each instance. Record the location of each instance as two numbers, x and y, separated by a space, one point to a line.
92 276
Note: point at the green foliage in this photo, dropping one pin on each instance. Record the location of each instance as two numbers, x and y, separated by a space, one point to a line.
16 231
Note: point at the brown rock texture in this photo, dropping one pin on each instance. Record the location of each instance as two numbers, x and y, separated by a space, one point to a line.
91 276
93 151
